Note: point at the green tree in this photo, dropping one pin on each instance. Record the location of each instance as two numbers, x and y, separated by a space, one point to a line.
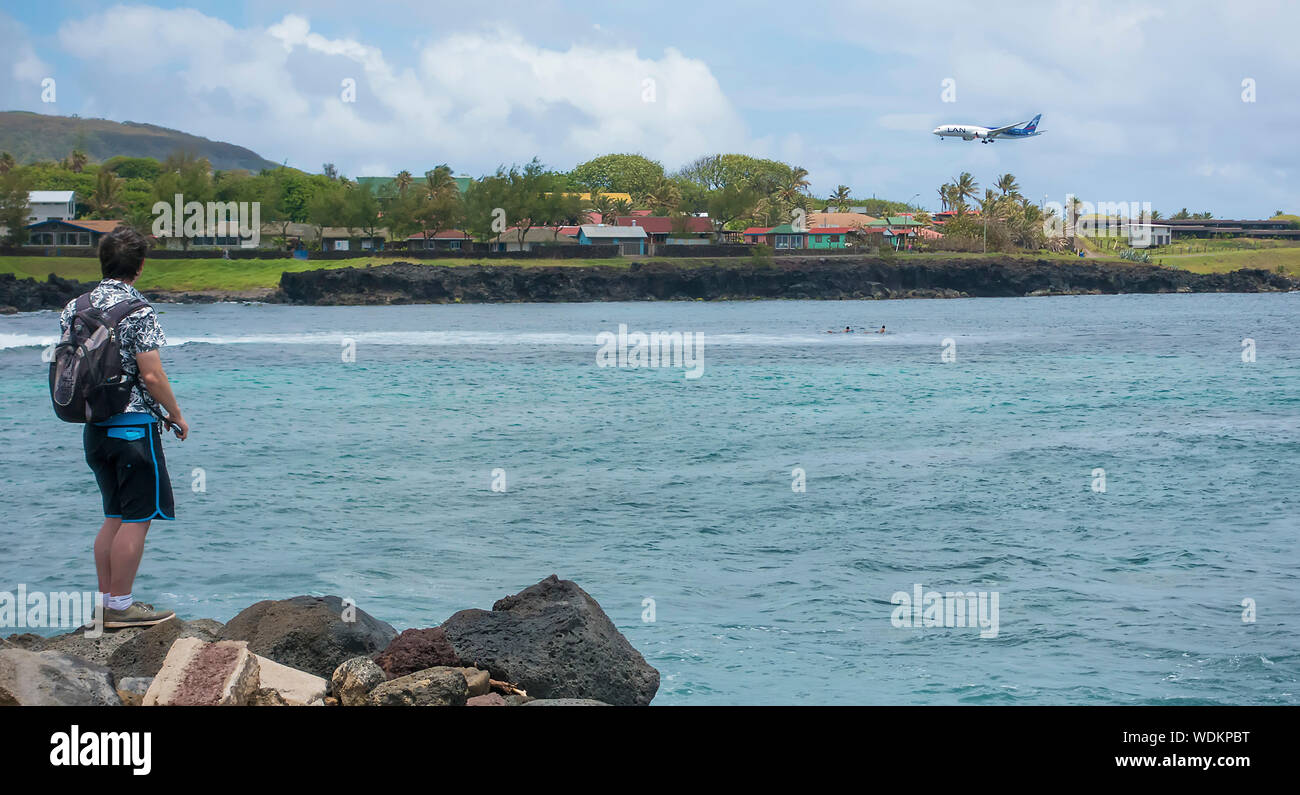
664 198
841 198
14 209
635 175
77 161
1008 185
966 186
731 203
403 181
107 201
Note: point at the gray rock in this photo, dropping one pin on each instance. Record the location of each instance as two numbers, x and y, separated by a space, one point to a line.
132 689
142 654
434 687
309 632
135 684
28 640
53 679
97 650
554 641
565 702
353 680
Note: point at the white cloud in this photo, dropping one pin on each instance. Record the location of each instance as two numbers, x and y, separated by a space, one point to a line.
474 100
20 66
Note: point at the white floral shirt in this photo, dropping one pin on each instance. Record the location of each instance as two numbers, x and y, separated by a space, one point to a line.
140 333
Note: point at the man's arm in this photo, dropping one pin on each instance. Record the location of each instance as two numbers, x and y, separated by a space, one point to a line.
155 380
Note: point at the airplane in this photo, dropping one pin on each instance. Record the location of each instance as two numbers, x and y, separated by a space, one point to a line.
987 135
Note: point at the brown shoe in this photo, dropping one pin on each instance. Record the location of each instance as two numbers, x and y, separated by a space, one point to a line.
137 615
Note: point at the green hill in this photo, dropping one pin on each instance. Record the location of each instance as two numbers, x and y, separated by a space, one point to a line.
34 136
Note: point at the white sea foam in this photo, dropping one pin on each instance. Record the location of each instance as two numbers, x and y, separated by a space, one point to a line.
491 338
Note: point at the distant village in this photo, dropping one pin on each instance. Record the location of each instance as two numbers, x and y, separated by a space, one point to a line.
52 222
720 200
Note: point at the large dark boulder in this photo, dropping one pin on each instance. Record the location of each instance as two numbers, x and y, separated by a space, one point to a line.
30 295
415 650
309 633
554 641
143 653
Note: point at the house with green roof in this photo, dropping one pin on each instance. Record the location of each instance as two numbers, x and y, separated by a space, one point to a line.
786 236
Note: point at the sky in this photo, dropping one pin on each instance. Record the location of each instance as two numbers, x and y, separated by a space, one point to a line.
1190 104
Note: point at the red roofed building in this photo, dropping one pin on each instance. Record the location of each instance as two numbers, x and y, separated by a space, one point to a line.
447 239
662 230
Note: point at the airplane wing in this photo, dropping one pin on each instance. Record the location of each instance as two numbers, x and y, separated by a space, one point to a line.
999 130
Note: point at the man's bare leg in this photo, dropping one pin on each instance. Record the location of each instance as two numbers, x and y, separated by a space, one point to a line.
103 552
125 553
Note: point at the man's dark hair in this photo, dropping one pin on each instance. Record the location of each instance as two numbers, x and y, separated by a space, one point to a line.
121 253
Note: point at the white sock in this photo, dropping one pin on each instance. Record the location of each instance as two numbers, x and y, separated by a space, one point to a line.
120 602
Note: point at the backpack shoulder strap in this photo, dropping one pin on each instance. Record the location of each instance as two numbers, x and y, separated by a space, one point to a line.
83 303
122 309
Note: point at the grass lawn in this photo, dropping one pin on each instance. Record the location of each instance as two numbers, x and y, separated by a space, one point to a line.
237 275
1222 261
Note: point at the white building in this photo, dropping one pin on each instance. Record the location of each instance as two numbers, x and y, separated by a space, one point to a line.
1147 235
51 205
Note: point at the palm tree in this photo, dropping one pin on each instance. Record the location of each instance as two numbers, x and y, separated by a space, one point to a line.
794 188
403 181
943 195
1075 201
107 198
1008 185
6 162
954 197
966 186
664 197
841 197
438 182
604 206
77 161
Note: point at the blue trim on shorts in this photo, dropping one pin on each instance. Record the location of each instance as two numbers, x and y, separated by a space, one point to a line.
157 487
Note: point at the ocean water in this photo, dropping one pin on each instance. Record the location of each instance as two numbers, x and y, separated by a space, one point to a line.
373 480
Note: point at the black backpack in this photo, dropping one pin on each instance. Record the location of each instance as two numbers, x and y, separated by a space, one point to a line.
87 383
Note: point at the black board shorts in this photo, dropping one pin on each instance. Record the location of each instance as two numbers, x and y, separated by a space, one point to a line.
132 474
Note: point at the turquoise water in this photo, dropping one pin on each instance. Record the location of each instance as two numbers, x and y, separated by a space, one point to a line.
372 480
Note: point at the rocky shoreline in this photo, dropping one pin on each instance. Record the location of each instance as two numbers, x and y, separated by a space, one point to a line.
790 278
827 278
551 644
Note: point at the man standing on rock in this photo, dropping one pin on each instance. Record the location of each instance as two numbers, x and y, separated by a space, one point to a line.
125 451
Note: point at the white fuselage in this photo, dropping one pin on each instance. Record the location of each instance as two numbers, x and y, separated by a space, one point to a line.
974 132
969 132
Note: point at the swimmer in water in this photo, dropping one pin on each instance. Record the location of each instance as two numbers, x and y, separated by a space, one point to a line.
848 330
882 330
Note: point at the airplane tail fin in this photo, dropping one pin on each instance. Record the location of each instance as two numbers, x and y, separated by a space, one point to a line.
1033 125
